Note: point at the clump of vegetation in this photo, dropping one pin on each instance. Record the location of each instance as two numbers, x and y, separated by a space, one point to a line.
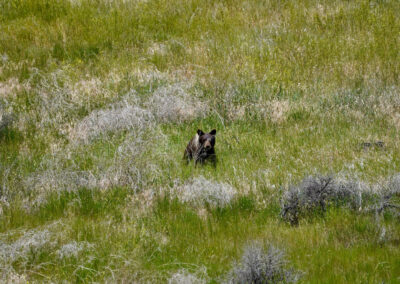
31 243
173 103
314 194
60 180
102 122
6 119
13 277
200 191
387 198
58 174
73 249
105 95
183 276
260 266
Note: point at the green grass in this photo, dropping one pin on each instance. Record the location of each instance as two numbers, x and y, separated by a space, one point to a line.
293 88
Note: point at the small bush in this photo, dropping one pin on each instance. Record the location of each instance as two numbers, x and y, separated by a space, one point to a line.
257 266
32 242
9 88
200 191
50 180
72 249
6 119
102 122
57 172
394 185
312 194
173 103
185 277
10 276
315 194
44 183
59 100
349 193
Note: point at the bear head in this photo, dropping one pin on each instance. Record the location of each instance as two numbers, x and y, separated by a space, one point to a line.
207 140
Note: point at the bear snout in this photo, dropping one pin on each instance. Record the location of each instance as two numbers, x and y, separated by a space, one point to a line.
207 145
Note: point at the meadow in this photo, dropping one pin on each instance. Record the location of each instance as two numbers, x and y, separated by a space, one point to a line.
99 98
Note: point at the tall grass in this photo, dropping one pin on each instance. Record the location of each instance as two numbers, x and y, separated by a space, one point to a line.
98 100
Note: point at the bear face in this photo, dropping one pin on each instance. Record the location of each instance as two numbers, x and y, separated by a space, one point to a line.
207 140
201 147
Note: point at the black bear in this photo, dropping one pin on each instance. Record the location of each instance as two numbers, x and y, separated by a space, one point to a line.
201 147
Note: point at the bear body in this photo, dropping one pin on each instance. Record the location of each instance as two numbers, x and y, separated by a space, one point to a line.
201 147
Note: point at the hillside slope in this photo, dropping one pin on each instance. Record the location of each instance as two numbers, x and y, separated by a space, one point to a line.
99 98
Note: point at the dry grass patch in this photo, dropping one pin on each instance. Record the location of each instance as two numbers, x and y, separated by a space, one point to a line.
10 88
6 119
183 276
174 103
115 119
200 191
277 110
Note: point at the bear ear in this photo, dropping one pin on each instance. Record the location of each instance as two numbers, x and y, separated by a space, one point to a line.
213 132
200 132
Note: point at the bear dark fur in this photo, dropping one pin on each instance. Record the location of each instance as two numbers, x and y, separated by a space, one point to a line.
201 147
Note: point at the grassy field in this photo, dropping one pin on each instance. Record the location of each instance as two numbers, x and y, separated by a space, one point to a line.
98 99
